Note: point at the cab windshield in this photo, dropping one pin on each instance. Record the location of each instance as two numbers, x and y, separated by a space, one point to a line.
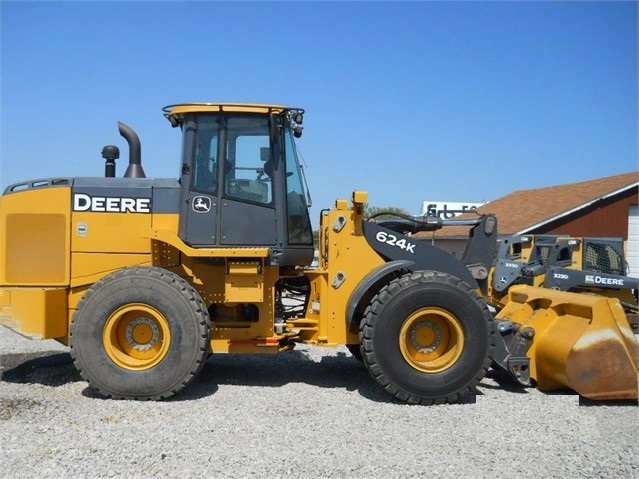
299 223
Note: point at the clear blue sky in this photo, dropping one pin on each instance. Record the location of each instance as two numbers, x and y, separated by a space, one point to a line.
455 101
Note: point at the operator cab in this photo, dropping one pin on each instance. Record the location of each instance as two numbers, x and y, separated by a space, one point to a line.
241 181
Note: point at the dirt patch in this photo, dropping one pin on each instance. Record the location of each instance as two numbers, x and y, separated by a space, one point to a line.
13 407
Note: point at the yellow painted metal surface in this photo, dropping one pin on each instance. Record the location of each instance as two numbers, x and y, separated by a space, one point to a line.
230 332
166 222
137 337
34 237
243 268
87 268
582 342
170 237
93 232
431 340
183 108
269 345
360 197
244 282
345 260
37 313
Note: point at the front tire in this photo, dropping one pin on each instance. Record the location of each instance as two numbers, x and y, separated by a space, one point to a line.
355 351
427 338
140 333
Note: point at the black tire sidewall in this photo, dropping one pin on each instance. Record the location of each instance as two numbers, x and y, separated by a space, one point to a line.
163 291
449 297
355 351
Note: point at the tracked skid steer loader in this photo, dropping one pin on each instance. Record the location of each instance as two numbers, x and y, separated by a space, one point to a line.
580 265
590 265
143 278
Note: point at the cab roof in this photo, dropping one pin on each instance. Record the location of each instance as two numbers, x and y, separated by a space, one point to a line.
174 113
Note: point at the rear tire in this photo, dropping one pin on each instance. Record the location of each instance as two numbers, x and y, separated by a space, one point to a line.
427 338
140 333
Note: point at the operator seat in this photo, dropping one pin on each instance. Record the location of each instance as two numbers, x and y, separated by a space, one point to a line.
267 159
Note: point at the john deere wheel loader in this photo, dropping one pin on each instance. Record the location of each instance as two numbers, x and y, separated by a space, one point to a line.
143 278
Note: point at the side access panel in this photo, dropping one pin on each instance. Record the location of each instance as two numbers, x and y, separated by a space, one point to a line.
34 236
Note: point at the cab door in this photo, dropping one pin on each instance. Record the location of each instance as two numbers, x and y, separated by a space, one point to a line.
199 180
248 203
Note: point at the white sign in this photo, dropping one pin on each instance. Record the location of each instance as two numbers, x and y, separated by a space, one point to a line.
447 209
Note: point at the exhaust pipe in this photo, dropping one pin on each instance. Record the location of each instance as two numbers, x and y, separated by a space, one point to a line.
134 170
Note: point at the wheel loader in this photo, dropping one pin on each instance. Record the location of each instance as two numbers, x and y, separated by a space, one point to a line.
144 278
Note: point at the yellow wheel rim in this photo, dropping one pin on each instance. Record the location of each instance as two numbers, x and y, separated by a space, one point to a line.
431 340
136 336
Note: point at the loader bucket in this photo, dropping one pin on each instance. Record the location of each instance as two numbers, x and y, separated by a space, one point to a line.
580 341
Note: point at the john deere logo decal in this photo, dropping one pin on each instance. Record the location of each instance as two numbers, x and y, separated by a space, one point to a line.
201 204
84 202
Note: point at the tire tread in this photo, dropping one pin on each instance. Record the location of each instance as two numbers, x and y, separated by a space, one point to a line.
372 315
178 284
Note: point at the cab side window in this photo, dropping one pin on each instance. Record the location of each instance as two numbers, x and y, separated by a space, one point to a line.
204 177
248 151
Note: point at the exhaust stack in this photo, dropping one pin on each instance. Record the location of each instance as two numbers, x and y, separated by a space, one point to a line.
134 170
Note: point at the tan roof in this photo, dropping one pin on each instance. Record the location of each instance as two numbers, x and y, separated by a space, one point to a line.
521 210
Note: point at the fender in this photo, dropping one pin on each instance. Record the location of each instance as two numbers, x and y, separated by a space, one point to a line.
402 252
367 283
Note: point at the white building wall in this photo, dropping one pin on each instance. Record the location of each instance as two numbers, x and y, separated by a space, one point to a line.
632 245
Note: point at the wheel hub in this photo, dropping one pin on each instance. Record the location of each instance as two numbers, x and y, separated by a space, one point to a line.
425 336
142 333
136 336
431 339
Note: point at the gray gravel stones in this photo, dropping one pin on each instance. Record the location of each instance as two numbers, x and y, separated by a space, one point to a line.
311 412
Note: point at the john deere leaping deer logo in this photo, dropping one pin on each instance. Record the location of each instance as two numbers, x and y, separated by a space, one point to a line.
201 204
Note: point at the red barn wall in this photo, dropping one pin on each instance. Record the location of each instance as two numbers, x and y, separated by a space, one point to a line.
605 218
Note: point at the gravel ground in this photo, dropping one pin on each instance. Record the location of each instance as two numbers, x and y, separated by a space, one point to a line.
311 412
